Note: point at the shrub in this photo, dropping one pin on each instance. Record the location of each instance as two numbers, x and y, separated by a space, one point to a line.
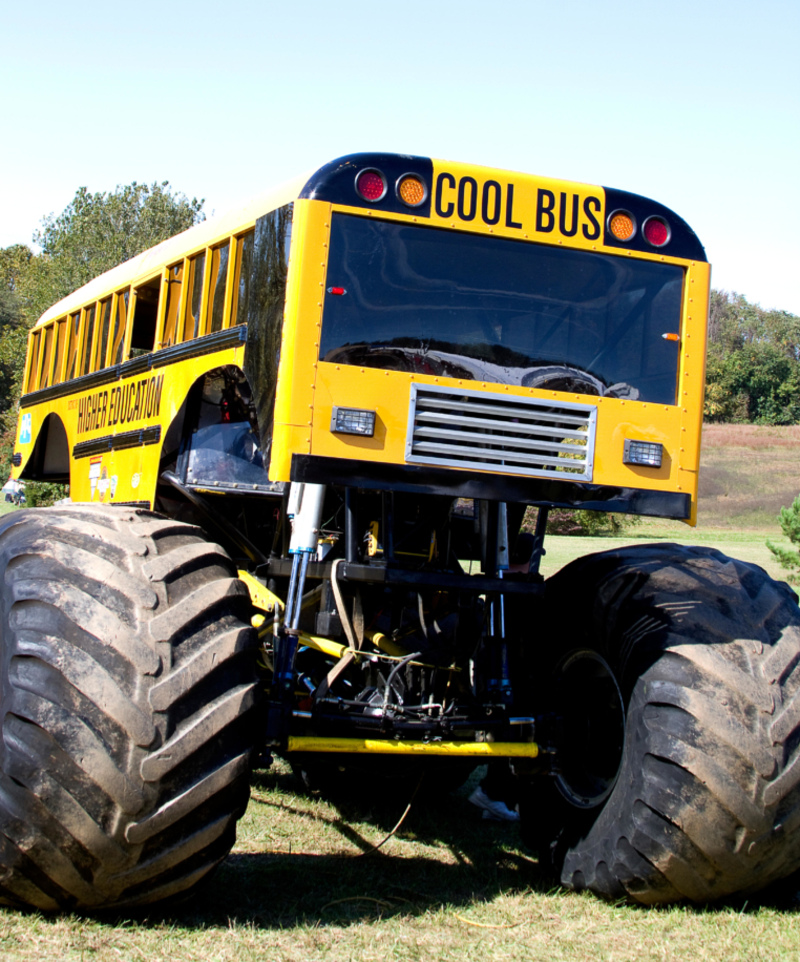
582 522
789 520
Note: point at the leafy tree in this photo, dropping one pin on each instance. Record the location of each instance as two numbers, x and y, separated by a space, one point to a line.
94 233
753 370
98 231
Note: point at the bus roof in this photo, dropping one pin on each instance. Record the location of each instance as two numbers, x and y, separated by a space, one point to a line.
335 183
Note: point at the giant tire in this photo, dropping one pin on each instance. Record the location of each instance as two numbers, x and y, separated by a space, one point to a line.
690 788
128 701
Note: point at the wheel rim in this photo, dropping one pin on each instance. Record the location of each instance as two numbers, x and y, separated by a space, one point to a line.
591 729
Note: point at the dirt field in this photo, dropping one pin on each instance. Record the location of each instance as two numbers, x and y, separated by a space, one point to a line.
747 473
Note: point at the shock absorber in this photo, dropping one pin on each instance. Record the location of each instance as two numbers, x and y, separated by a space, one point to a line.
304 510
497 611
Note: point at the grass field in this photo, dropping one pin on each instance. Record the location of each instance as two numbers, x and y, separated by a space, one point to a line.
305 883
747 475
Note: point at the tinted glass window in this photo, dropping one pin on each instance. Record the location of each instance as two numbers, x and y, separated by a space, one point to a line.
241 277
191 327
102 335
88 338
485 308
219 275
47 354
61 336
120 316
74 323
33 371
174 290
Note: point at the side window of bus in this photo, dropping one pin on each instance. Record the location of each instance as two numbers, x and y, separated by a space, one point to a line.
88 337
145 317
33 370
217 289
194 287
174 302
47 356
74 326
241 277
120 319
103 326
61 338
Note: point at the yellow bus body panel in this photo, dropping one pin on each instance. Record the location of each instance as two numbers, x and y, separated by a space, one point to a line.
475 199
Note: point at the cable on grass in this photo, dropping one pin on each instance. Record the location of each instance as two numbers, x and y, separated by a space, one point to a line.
383 841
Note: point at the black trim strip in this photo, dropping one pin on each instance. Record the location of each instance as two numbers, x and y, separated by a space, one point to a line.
544 492
208 344
201 345
116 442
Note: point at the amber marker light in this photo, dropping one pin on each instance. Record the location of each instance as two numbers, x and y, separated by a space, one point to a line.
370 183
622 225
411 190
656 231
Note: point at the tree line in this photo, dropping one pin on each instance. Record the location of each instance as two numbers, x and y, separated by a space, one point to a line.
753 373
753 367
94 233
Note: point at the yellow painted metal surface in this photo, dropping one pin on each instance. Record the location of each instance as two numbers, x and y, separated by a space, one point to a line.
376 746
148 400
260 596
465 198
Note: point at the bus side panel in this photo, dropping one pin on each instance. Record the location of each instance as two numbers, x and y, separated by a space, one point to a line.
115 432
294 402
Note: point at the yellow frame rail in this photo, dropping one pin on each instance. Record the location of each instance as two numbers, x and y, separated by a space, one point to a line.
364 746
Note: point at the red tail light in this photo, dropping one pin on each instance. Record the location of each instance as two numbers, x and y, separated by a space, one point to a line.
371 184
656 231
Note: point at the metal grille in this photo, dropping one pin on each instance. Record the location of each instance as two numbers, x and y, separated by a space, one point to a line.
470 429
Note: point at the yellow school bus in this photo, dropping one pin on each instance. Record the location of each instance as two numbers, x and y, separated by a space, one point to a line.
301 442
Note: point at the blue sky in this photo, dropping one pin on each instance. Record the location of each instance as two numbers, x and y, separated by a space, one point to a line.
696 104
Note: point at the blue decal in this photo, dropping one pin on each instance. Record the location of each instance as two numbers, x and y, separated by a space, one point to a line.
25 430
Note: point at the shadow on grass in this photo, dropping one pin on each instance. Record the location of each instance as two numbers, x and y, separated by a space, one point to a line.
479 861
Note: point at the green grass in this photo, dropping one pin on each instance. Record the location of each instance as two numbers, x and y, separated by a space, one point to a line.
303 885
747 545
